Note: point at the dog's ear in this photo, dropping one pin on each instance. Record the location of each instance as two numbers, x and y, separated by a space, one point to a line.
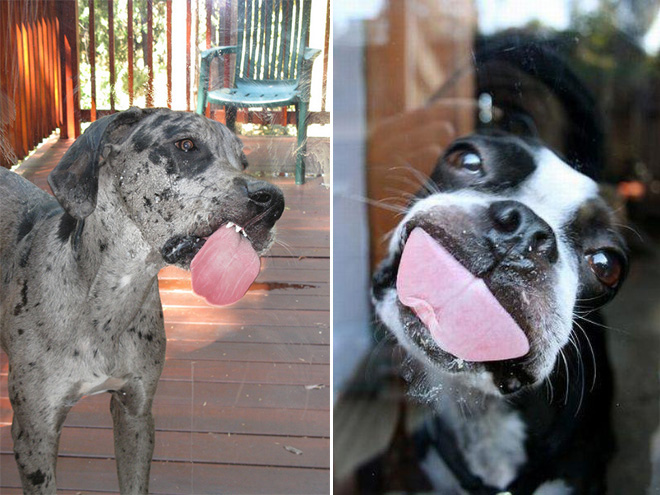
75 179
233 147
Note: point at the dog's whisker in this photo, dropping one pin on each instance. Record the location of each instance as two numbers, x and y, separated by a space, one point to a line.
631 229
563 357
592 352
378 203
601 325
550 391
423 180
286 246
581 371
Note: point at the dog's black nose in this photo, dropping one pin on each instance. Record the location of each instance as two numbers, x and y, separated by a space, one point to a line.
267 199
517 232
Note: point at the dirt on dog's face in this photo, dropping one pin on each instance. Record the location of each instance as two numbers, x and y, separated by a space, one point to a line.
492 261
181 178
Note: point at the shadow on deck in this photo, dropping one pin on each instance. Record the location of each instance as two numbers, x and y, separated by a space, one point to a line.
243 405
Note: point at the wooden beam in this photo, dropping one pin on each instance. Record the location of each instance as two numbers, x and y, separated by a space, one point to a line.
326 50
209 12
92 56
150 54
111 49
129 8
69 46
188 35
169 53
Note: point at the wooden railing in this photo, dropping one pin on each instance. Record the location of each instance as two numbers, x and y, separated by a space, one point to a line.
207 23
36 94
40 65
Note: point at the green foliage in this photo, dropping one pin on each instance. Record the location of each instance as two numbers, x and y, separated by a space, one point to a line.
102 50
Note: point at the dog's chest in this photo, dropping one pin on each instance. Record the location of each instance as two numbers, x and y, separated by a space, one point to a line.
492 445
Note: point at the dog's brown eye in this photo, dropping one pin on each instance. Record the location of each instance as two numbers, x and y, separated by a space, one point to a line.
607 266
185 145
465 160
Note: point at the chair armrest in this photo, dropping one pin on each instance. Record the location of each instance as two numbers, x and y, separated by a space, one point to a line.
204 69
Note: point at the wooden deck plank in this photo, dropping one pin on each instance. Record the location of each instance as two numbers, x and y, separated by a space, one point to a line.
239 351
215 371
247 317
94 412
82 474
209 447
242 372
318 334
253 300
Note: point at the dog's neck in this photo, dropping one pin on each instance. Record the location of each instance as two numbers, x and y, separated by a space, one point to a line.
115 262
491 443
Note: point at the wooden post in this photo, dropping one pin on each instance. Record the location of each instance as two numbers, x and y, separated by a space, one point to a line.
326 49
70 74
188 35
92 58
209 13
150 54
169 53
129 7
111 49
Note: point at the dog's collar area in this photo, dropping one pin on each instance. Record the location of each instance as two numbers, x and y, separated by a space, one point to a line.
439 436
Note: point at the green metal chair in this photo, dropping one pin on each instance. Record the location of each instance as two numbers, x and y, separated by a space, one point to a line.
273 65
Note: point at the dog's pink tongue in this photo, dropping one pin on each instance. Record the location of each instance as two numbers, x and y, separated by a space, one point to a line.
224 268
463 316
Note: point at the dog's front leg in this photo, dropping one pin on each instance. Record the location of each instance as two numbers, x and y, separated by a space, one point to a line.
134 435
36 429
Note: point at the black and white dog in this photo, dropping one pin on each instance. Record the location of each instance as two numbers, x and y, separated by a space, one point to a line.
490 286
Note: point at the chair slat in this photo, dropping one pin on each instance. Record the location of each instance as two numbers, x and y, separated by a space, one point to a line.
304 33
257 36
286 37
277 37
267 28
241 45
295 45
247 47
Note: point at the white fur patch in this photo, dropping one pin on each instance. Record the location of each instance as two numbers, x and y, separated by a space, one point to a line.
556 487
124 281
100 385
494 447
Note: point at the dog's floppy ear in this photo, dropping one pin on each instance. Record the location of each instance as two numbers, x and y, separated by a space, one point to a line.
75 179
233 147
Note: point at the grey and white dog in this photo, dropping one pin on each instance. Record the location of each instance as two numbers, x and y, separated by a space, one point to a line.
80 308
490 286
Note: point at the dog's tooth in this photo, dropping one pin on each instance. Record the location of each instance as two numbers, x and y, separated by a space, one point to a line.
244 234
229 225
238 228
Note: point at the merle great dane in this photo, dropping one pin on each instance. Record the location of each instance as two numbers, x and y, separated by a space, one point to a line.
80 308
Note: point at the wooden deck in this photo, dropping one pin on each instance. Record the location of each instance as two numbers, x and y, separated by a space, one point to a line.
243 405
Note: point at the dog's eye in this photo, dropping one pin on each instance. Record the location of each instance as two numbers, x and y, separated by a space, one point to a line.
465 160
607 266
185 145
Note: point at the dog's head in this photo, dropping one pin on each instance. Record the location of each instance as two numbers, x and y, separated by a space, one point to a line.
492 260
179 178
